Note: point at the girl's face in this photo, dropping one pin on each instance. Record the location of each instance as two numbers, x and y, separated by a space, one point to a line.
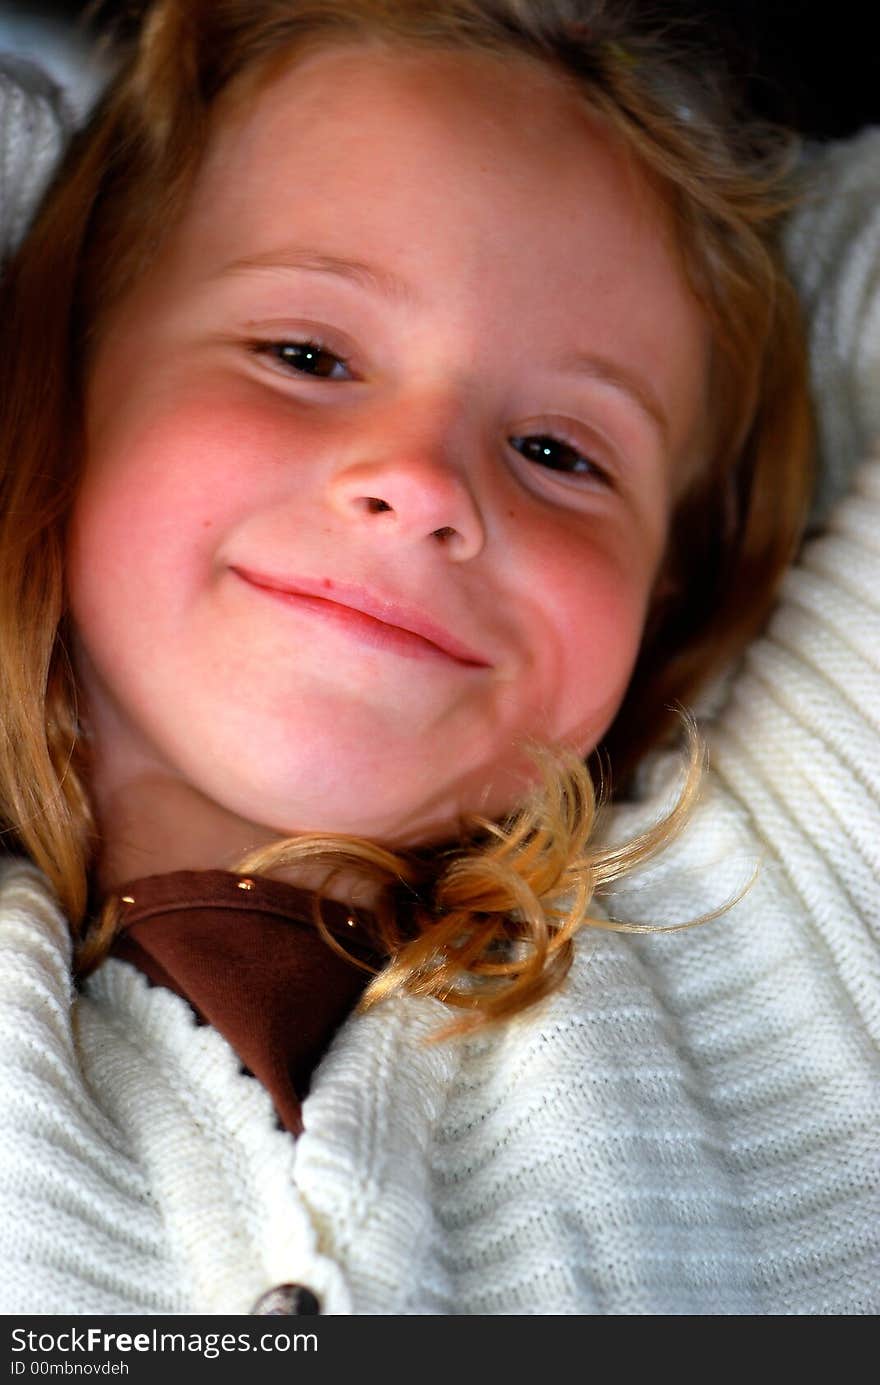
382 450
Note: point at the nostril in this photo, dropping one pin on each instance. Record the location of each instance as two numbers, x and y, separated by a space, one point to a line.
375 505
446 532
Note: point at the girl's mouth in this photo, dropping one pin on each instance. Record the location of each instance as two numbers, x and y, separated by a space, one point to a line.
375 620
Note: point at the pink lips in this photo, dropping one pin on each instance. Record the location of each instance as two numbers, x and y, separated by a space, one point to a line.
373 619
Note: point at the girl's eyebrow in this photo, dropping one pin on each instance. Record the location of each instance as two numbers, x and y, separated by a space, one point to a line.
637 388
379 280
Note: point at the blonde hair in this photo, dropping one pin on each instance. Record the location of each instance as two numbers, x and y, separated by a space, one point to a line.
503 903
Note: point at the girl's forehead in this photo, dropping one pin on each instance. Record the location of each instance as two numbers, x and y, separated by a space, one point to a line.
475 205
491 145
448 76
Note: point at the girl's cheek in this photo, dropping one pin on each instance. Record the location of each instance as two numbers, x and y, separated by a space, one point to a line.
585 606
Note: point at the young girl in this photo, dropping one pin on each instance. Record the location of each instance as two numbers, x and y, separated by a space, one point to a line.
401 404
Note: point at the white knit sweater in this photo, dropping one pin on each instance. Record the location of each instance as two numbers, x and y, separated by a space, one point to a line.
691 1126
34 118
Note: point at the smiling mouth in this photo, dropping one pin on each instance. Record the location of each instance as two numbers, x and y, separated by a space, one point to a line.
372 620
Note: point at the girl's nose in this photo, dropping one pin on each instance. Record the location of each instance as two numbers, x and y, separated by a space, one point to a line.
413 499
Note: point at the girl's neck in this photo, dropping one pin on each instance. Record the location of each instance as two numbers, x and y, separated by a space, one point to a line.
156 824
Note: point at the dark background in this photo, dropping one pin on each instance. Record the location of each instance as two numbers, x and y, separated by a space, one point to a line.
814 67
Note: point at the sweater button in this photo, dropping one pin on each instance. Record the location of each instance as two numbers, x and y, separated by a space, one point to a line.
286 1301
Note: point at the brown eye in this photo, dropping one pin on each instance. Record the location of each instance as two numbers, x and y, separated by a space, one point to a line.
556 455
308 358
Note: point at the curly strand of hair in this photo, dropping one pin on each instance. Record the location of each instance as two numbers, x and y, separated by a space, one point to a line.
494 931
93 948
487 926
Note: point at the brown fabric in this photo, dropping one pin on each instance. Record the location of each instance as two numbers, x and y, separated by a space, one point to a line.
246 956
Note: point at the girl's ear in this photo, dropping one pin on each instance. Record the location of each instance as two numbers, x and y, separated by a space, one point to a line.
666 587
666 592
666 595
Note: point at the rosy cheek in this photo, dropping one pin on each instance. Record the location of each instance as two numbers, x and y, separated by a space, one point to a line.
158 466
593 630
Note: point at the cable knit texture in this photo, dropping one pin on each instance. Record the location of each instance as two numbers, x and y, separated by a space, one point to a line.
34 119
690 1126
832 249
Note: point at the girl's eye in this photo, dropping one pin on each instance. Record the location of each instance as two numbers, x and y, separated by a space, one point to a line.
556 455
306 358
